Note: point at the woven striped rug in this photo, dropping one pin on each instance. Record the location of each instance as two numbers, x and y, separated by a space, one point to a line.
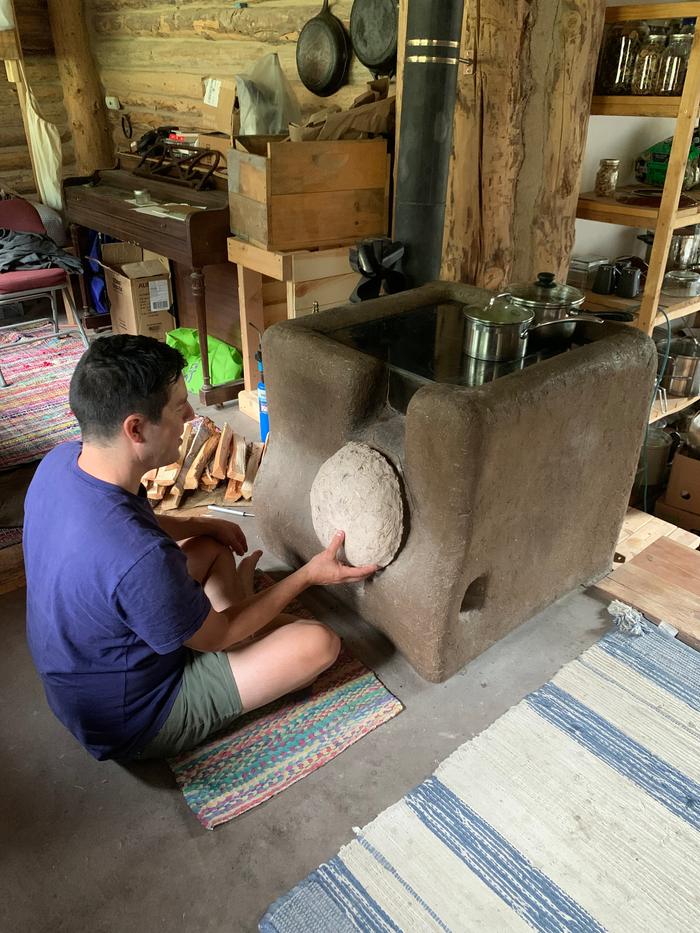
578 810
34 412
274 747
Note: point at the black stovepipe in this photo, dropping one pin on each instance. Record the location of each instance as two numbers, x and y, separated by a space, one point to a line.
427 107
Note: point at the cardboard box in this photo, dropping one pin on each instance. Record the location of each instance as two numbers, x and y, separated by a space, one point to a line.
683 490
139 290
219 112
680 517
309 195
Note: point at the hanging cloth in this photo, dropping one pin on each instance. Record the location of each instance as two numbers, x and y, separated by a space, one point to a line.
45 142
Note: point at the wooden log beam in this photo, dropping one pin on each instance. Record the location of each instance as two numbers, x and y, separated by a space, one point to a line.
518 139
81 87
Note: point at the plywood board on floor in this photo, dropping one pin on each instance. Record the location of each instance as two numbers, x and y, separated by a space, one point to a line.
662 582
640 529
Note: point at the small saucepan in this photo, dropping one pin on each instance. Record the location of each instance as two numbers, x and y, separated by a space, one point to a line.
498 331
551 302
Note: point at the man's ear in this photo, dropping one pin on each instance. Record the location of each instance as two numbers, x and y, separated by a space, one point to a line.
133 428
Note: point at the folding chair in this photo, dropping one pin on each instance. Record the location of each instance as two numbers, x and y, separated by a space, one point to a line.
15 287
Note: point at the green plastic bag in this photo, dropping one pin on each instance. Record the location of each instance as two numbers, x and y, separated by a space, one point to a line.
225 362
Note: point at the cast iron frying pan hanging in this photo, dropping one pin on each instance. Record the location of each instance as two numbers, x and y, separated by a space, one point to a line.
374 30
323 53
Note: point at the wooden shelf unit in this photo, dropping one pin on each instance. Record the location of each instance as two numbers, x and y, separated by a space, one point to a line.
667 217
631 106
674 307
673 406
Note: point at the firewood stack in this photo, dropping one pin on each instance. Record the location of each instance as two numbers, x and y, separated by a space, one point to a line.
218 464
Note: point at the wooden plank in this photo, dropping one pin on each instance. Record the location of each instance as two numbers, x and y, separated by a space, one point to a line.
251 310
326 165
605 210
647 11
249 219
9 47
663 582
686 538
310 265
223 452
672 407
668 211
252 470
635 106
672 563
252 181
331 291
249 404
298 221
267 262
237 460
200 461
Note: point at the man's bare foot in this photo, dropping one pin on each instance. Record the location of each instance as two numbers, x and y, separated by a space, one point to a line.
246 572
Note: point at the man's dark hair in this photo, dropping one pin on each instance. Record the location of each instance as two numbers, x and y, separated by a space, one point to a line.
119 376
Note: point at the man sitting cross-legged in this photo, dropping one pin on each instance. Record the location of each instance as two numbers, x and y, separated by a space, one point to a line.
147 635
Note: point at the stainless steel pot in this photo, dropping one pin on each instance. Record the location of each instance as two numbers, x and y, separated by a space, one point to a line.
498 332
682 374
551 302
684 251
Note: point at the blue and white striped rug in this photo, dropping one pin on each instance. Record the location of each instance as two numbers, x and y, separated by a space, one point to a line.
577 810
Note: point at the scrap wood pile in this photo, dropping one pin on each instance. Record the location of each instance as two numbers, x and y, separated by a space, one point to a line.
212 466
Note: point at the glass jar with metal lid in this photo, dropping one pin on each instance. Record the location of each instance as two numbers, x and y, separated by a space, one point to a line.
618 59
674 64
646 68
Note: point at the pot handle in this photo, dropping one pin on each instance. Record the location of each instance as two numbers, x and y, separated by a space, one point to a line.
564 320
583 316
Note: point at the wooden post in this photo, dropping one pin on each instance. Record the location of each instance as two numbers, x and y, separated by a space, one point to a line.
519 133
82 92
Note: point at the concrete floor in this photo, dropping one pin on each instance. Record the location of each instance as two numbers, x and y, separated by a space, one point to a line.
90 846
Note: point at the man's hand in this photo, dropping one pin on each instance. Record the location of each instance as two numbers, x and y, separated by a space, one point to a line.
227 533
325 568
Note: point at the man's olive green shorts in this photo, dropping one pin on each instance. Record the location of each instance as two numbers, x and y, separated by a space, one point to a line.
208 701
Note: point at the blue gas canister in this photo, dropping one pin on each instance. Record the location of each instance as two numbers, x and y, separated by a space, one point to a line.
262 401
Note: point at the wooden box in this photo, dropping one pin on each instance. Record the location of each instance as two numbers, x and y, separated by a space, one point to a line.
310 194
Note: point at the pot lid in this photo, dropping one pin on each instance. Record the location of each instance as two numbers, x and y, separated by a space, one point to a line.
500 310
546 293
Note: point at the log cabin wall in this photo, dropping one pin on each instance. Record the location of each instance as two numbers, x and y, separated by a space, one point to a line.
154 55
519 135
42 75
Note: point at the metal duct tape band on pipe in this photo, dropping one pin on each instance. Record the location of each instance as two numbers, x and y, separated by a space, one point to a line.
427 109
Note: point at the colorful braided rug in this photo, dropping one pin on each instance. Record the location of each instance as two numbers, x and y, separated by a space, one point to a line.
34 412
272 748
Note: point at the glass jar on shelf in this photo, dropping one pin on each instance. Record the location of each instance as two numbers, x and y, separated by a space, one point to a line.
606 179
618 59
674 64
646 68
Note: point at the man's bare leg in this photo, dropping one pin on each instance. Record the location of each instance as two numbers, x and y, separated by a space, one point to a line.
214 566
287 659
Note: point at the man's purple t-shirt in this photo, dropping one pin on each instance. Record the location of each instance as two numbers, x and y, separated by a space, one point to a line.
109 605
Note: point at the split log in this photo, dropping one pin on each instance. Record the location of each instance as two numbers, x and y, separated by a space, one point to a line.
233 491
207 481
237 461
252 470
81 86
200 461
174 497
155 492
223 452
167 475
149 476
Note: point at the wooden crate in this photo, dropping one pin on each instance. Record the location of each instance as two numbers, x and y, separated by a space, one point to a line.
310 194
274 286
